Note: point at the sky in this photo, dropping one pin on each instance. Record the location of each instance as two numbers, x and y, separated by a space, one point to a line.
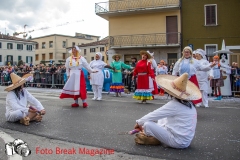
57 17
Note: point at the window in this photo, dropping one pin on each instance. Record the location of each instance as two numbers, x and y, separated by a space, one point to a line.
85 52
64 44
73 44
9 58
92 58
9 46
36 46
50 55
210 48
50 44
19 58
43 45
0 58
103 58
28 59
0 45
172 58
64 56
43 57
92 50
101 49
20 46
36 57
88 37
29 47
211 14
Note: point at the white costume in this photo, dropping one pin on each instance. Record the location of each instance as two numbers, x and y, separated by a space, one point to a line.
202 77
194 67
72 86
176 126
17 109
97 79
226 89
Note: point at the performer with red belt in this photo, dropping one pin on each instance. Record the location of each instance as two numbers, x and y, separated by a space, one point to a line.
145 78
187 64
75 86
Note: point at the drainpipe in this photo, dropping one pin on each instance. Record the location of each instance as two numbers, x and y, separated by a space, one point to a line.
181 35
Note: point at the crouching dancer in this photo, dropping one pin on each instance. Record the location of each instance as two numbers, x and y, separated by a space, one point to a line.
17 102
174 123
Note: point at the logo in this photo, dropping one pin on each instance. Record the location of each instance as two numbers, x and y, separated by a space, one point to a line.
19 147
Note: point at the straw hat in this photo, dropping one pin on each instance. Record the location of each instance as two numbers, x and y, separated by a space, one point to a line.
17 81
179 87
116 55
152 54
145 52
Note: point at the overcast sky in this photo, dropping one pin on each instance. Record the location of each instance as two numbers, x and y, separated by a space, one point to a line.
37 14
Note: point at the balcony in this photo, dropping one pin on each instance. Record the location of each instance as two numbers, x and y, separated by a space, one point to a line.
146 40
126 7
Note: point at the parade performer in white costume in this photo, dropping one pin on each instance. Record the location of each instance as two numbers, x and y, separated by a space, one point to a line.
187 64
75 86
202 77
97 79
18 99
177 119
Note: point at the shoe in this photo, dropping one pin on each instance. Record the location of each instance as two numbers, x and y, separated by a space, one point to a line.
218 98
99 99
38 118
153 97
75 105
25 121
94 98
85 105
119 94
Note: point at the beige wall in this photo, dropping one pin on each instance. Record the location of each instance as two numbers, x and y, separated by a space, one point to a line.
89 54
141 23
57 48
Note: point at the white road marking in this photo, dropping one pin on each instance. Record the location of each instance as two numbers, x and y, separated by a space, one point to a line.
7 138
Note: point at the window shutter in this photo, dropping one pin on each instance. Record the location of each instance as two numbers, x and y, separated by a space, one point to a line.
26 59
31 59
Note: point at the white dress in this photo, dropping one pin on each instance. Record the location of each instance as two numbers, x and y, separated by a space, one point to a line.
17 109
72 88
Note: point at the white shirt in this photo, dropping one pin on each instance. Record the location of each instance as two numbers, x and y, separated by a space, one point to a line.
202 76
161 70
13 103
97 78
194 66
74 66
179 119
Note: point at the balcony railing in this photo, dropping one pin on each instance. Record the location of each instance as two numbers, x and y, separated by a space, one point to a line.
133 5
146 40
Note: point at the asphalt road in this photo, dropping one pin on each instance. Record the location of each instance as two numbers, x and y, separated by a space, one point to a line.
217 134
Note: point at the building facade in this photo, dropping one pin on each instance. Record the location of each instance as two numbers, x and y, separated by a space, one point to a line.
88 50
143 25
13 49
206 23
53 48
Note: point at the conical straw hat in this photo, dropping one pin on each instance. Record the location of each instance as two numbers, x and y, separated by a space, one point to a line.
179 87
145 52
17 81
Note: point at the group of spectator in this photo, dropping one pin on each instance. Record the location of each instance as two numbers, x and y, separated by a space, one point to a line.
43 76
235 78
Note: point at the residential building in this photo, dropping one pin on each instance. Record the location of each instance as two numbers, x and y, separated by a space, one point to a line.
13 49
53 48
206 23
88 50
136 25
